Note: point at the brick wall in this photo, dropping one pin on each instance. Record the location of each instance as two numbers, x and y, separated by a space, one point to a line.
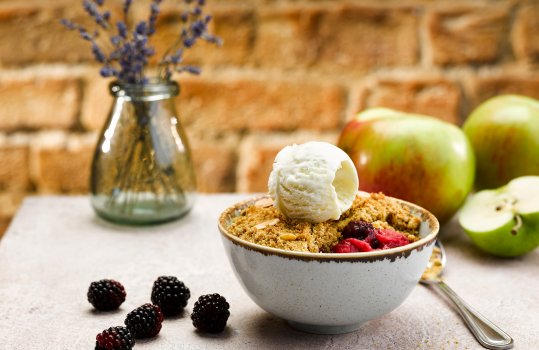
289 71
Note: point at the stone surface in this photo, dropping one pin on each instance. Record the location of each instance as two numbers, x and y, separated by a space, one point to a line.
417 93
467 34
56 246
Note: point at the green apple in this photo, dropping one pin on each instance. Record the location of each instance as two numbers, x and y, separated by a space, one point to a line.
504 132
417 158
504 221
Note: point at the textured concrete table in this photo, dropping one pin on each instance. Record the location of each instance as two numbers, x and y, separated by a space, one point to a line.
56 246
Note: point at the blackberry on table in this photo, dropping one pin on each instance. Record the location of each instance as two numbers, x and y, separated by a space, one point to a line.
170 294
115 338
106 294
210 313
145 321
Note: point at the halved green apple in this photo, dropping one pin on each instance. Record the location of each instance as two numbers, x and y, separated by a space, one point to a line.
504 221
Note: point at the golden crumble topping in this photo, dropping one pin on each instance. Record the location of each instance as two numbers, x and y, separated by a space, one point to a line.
263 224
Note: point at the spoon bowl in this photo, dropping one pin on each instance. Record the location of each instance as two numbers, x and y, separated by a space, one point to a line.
487 333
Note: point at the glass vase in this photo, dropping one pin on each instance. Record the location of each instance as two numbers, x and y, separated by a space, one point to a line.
142 172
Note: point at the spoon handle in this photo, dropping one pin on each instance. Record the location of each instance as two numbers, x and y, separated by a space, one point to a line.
487 333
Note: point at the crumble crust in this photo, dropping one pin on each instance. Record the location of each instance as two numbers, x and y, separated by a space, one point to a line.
263 224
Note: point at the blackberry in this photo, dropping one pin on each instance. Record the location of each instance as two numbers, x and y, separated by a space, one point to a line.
170 294
106 294
358 229
115 338
145 321
210 313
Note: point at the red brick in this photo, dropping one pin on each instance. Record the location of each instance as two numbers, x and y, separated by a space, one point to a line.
287 37
258 151
244 103
485 86
525 33
31 32
38 102
4 223
457 35
14 164
337 38
430 95
61 164
96 104
215 161
234 25
11 202
361 37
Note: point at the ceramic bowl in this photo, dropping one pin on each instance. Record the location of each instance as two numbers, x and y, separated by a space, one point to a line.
328 293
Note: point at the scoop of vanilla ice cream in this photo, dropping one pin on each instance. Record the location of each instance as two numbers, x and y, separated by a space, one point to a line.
314 181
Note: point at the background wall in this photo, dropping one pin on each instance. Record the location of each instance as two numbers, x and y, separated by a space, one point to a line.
289 71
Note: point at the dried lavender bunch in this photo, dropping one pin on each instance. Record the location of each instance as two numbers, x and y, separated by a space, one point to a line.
125 49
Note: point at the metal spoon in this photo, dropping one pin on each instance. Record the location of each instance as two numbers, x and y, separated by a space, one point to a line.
487 333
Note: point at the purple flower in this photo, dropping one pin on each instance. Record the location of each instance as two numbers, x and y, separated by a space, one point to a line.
68 24
108 72
122 29
116 40
154 12
198 28
90 8
127 6
177 57
85 35
98 54
188 69
127 55
141 29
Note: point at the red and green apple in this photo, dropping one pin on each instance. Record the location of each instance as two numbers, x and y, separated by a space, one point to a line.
504 133
504 221
413 157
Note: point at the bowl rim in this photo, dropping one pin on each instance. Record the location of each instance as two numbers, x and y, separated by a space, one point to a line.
391 254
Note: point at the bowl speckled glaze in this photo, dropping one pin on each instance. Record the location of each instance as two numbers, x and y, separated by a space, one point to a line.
328 293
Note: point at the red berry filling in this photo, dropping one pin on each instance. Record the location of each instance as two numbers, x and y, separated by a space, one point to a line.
368 239
391 239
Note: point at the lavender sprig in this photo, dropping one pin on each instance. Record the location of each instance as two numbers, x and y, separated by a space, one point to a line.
195 27
100 18
125 54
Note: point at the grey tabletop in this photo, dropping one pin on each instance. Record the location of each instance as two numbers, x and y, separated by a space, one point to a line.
56 246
